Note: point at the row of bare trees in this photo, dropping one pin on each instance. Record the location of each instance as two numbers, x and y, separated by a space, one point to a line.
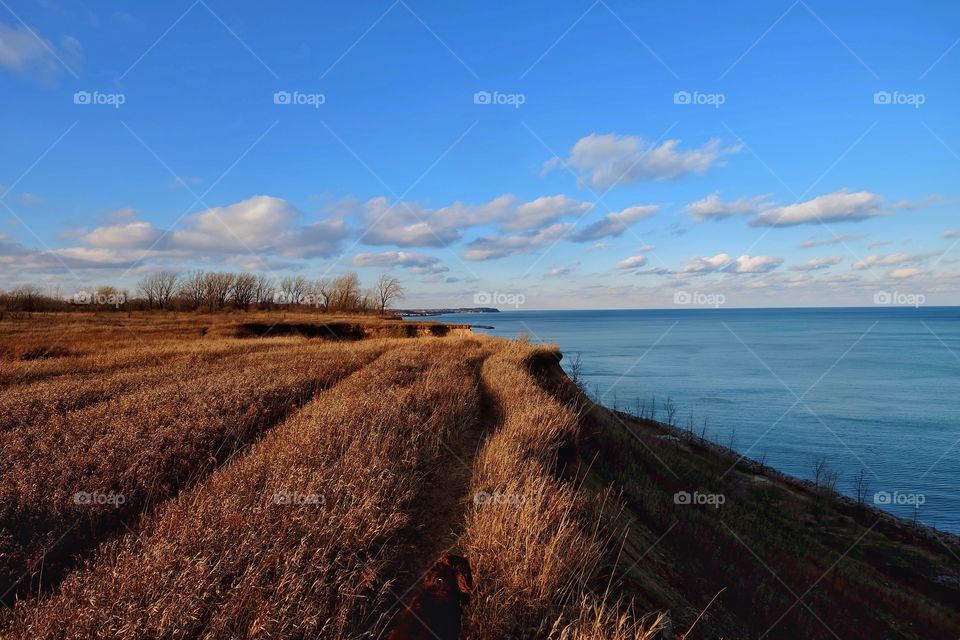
213 290
216 290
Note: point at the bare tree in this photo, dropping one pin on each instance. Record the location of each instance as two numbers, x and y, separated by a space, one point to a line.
217 288
193 289
293 290
265 290
345 292
147 288
320 290
387 290
824 478
671 408
158 289
243 291
166 288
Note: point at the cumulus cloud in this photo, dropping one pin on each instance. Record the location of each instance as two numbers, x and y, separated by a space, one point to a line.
544 211
632 263
754 264
26 53
891 259
134 235
606 160
723 262
707 265
614 224
262 225
554 272
817 264
492 247
712 208
416 262
810 243
409 224
905 272
839 206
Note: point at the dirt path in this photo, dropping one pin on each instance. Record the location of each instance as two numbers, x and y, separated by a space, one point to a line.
438 518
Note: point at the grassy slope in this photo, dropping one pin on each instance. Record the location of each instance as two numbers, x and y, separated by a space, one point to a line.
787 561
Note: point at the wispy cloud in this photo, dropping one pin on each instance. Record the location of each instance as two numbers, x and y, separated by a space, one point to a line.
712 208
27 53
606 160
839 206
614 224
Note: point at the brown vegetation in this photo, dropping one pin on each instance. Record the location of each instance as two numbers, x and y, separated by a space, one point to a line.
292 475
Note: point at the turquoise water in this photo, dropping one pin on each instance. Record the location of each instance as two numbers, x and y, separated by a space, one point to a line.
874 388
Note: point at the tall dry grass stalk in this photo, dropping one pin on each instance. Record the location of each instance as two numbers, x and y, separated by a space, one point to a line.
78 477
534 538
296 538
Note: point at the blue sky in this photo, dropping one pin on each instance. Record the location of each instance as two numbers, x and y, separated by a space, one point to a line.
574 155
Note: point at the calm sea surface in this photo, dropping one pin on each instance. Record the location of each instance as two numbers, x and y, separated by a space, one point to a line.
877 389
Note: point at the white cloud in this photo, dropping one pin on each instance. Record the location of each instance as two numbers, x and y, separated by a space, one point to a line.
134 235
708 264
614 224
810 243
544 211
905 272
632 262
712 208
839 206
609 159
416 262
891 259
818 264
28 198
723 262
263 225
554 272
25 52
754 264
491 247
408 224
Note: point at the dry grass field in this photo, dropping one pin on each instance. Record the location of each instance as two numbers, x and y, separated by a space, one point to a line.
282 477
294 476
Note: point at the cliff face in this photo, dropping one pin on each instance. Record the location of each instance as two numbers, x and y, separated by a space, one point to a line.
764 554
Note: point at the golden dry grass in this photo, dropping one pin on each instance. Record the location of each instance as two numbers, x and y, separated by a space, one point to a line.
285 487
535 537
225 560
